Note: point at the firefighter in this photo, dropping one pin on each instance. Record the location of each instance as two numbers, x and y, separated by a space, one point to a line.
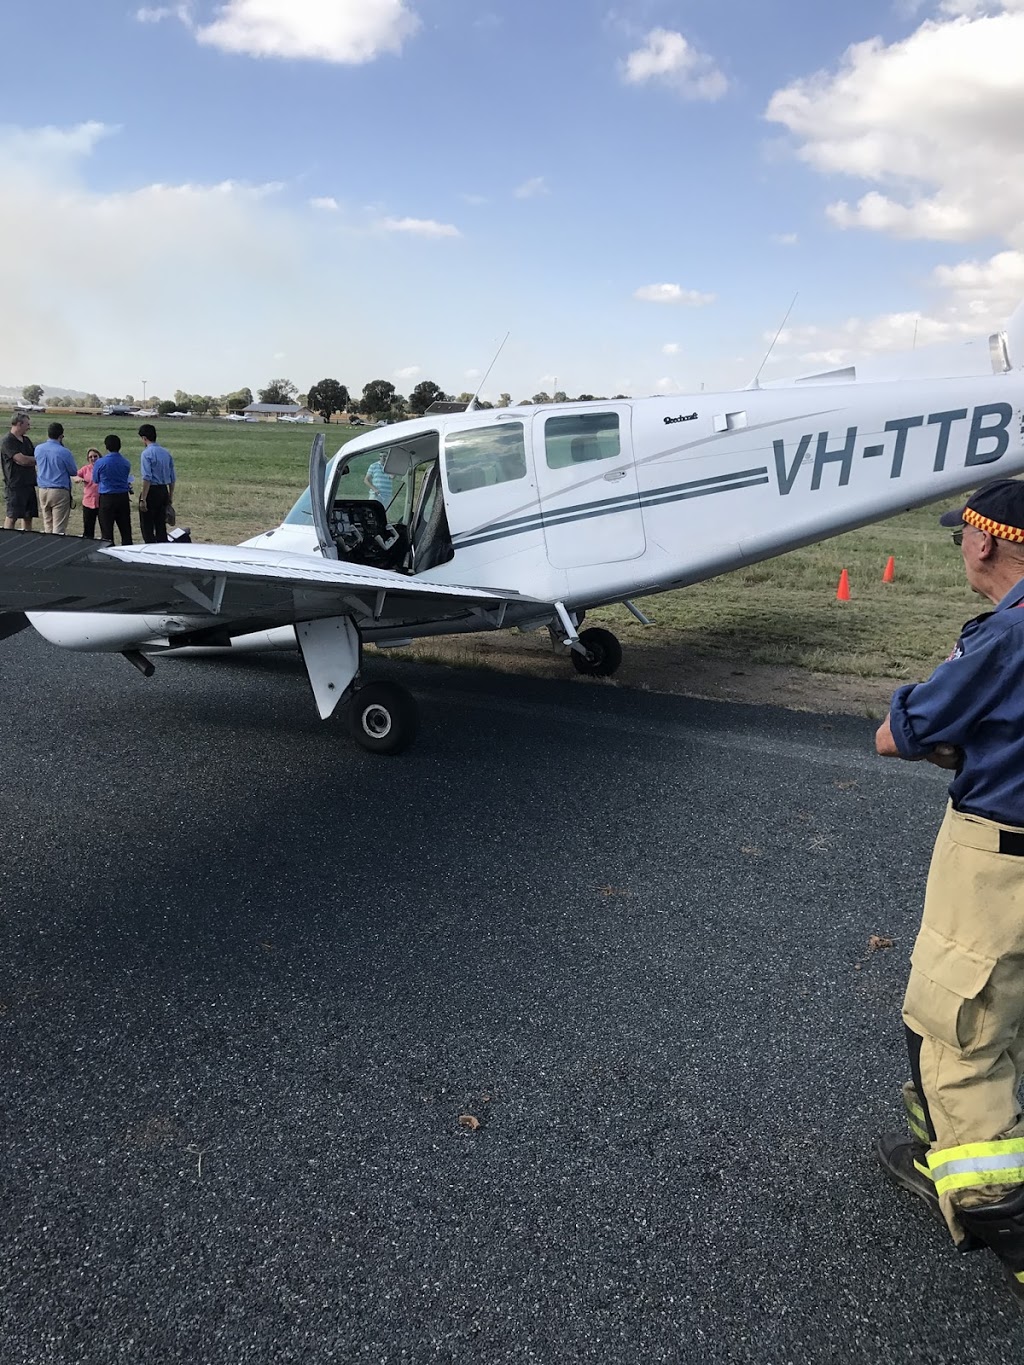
964 1004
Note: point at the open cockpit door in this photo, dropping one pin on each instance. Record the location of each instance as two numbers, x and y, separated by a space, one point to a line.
318 498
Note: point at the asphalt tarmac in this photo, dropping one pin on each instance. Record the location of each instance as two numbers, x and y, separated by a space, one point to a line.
556 1039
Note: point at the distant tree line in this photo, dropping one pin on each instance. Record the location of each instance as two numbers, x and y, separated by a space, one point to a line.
329 398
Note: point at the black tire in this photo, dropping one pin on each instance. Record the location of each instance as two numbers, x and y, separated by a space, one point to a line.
383 718
603 656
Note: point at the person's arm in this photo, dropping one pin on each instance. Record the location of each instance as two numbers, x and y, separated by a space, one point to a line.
934 720
943 755
28 461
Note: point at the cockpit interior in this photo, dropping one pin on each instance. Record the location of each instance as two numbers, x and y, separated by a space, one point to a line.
386 507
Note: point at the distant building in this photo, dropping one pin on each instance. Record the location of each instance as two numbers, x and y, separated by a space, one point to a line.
274 412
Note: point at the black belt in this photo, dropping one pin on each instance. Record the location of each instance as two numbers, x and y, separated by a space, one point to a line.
1012 842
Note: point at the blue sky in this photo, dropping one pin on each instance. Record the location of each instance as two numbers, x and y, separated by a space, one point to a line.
218 192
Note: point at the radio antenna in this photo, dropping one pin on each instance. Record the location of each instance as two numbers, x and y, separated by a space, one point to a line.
490 367
753 383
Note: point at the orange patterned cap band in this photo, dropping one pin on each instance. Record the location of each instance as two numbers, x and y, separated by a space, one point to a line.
994 528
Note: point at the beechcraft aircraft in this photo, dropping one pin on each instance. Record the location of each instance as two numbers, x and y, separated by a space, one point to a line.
526 517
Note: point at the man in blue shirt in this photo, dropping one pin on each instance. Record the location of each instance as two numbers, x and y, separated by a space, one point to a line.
157 496
112 474
55 468
964 1004
380 482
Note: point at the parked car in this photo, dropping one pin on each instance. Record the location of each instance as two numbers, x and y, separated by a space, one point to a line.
355 421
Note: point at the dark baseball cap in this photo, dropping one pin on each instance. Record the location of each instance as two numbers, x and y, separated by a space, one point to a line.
996 507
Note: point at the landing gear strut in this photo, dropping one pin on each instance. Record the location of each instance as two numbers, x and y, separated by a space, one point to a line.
596 653
382 717
602 656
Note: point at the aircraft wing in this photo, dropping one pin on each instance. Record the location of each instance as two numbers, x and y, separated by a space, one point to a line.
238 588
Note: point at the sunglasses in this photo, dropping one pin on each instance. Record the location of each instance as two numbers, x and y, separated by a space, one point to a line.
958 536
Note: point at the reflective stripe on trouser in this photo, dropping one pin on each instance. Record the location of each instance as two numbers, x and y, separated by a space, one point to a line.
965 999
978 1165
916 1118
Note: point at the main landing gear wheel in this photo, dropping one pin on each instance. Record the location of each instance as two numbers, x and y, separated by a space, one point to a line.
603 656
382 718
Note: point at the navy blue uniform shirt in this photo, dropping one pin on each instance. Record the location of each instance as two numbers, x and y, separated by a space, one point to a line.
110 473
975 700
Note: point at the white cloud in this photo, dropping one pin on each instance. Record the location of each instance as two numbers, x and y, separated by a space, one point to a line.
974 298
80 253
419 227
342 31
30 148
673 293
935 122
530 189
670 348
474 200
669 59
785 239
156 14
327 203
408 372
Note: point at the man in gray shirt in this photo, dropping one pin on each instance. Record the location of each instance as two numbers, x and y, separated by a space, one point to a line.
17 456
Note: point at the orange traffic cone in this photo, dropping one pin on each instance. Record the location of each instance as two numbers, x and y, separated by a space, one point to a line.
890 571
843 591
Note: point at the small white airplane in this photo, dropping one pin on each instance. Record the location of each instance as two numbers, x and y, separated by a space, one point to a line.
526 517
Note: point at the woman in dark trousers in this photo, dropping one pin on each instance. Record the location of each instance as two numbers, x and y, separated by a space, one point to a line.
112 474
90 496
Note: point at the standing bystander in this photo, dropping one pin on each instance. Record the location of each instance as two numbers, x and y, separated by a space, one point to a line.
17 457
157 486
112 475
380 482
964 1005
55 468
90 494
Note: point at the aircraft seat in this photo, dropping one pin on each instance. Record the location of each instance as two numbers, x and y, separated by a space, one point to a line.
462 480
583 448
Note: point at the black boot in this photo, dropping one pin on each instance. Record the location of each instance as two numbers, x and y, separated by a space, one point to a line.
896 1156
1000 1226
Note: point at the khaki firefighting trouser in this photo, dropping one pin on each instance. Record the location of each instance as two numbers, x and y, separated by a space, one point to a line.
965 998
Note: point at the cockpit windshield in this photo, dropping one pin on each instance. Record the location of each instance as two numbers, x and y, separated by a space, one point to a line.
374 507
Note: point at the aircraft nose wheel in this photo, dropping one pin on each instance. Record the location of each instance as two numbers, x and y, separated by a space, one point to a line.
603 656
382 718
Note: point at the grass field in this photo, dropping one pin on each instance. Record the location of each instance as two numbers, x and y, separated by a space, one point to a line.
235 479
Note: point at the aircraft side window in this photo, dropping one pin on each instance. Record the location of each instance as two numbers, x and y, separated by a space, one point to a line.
485 456
580 437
